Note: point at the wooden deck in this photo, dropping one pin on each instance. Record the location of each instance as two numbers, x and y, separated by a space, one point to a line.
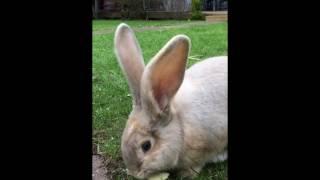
216 16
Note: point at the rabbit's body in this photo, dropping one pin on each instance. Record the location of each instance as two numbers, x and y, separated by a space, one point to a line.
179 117
203 113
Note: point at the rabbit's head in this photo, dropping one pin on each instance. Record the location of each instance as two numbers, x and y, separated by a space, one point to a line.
152 139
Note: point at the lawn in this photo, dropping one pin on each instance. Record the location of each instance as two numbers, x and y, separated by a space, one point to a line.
111 100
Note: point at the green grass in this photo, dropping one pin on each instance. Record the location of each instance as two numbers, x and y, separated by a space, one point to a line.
111 103
103 24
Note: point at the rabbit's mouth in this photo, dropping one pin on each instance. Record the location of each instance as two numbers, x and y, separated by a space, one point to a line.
144 173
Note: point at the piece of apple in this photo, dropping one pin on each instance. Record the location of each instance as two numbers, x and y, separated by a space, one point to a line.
160 176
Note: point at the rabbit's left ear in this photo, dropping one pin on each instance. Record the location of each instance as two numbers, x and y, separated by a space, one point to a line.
130 58
165 72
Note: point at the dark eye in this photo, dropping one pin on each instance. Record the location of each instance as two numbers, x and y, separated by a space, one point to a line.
146 146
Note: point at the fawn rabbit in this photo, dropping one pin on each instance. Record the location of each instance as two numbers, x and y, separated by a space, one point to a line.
179 117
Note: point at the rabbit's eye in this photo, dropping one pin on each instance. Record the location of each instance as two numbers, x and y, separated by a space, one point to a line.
146 146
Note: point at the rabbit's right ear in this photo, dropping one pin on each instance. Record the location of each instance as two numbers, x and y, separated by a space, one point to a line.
165 73
130 58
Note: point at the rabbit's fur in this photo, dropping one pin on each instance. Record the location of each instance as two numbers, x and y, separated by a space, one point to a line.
182 113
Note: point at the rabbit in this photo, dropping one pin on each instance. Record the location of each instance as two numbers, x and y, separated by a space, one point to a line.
178 120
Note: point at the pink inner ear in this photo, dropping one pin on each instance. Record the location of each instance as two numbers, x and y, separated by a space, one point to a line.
158 96
168 71
164 89
160 93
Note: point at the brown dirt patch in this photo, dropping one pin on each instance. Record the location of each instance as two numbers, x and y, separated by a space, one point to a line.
99 169
104 167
